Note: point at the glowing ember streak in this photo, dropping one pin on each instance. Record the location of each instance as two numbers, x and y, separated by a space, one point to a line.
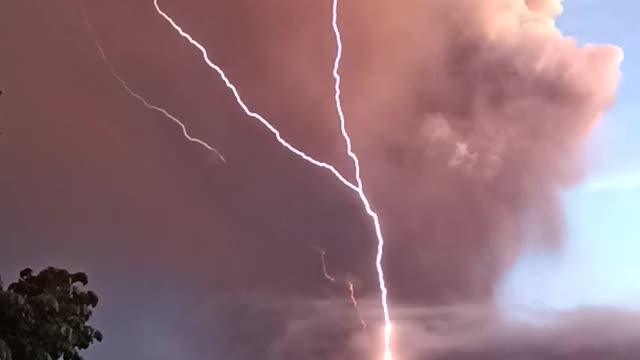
352 295
363 197
124 84
234 90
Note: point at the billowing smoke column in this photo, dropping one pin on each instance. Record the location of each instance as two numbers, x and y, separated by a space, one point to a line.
468 116
472 117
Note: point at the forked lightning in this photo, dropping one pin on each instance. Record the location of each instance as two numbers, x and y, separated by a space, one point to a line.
359 189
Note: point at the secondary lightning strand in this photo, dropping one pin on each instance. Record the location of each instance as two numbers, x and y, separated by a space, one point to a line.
324 264
361 193
349 284
245 108
139 97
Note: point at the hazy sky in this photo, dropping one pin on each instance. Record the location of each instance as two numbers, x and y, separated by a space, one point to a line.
196 259
600 265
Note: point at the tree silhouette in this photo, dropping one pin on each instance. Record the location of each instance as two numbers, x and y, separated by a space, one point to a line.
44 316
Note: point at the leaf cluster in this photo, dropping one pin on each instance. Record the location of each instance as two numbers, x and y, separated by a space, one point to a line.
44 316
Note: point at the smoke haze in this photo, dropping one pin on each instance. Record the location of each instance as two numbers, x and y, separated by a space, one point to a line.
469 117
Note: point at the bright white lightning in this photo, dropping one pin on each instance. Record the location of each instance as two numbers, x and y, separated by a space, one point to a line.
236 94
124 84
361 193
359 188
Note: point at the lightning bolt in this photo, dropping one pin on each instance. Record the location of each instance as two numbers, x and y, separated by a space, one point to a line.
139 97
349 284
361 192
245 108
359 189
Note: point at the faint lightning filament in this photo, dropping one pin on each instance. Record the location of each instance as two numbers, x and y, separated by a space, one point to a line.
124 84
324 264
363 197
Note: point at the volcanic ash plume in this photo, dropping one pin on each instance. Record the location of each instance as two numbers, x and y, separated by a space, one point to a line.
500 105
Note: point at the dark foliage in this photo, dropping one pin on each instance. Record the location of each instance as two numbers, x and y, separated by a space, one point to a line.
44 316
